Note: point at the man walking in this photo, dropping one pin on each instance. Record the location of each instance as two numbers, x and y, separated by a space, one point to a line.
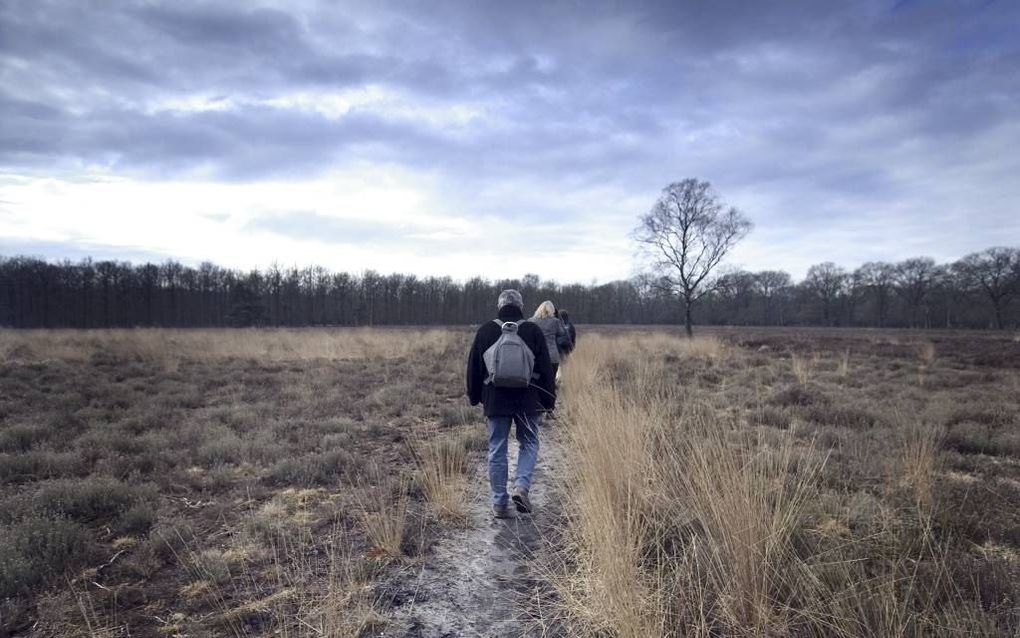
509 372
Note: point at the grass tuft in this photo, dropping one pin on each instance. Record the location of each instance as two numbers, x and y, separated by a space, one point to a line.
384 515
442 465
801 368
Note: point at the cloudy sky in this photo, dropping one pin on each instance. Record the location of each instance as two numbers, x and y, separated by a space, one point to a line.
498 138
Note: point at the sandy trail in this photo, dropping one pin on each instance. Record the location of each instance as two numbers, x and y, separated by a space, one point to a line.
481 580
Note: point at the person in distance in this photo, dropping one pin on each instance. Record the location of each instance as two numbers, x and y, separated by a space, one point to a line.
509 371
568 343
546 319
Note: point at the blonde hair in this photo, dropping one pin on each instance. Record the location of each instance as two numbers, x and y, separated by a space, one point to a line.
545 309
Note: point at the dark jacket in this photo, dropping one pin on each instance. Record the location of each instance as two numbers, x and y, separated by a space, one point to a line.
539 397
572 331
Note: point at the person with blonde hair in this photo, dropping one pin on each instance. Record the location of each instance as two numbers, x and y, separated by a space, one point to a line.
553 329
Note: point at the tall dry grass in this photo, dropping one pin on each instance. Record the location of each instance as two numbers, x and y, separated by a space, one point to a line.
315 584
684 522
172 346
346 607
442 468
715 512
384 514
844 365
918 459
801 368
926 352
743 508
609 509
926 358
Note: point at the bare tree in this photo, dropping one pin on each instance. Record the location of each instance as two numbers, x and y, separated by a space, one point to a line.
738 287
951 288
914 279
856 287
685 236
826 281
995 271
879 277
769 283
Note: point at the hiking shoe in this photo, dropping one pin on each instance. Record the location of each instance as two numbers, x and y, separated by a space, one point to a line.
502 511
521 500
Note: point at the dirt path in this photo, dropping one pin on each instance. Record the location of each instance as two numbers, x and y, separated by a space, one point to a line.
481 580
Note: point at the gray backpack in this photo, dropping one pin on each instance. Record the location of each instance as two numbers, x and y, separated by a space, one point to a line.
510 362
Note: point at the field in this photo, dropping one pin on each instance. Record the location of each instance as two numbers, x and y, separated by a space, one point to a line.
308 482
216 483
817 483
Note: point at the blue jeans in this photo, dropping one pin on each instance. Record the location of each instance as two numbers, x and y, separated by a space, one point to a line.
527 453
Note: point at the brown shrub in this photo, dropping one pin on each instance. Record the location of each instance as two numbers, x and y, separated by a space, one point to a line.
800 395
844 416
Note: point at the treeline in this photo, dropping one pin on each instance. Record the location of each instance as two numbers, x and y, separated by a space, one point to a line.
99 294
977 291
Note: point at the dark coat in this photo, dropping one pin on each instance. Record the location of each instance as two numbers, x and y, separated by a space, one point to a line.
538 397
572 331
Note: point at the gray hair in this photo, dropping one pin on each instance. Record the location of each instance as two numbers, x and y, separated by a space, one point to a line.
510 297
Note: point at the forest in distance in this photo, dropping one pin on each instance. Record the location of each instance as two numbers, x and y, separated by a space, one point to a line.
977 291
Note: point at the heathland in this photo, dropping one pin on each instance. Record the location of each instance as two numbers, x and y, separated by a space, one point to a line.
280 482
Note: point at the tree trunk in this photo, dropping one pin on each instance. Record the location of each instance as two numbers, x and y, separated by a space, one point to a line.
688 324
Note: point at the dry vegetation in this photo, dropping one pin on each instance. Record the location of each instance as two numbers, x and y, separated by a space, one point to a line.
782 484
172 346
209 483
770 483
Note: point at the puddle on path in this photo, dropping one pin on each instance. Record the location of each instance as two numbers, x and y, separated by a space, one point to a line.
480 580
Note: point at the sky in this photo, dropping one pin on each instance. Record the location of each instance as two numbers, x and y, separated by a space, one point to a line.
497 138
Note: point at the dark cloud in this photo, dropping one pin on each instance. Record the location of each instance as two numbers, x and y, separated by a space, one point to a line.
557 81
810 102
215 26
